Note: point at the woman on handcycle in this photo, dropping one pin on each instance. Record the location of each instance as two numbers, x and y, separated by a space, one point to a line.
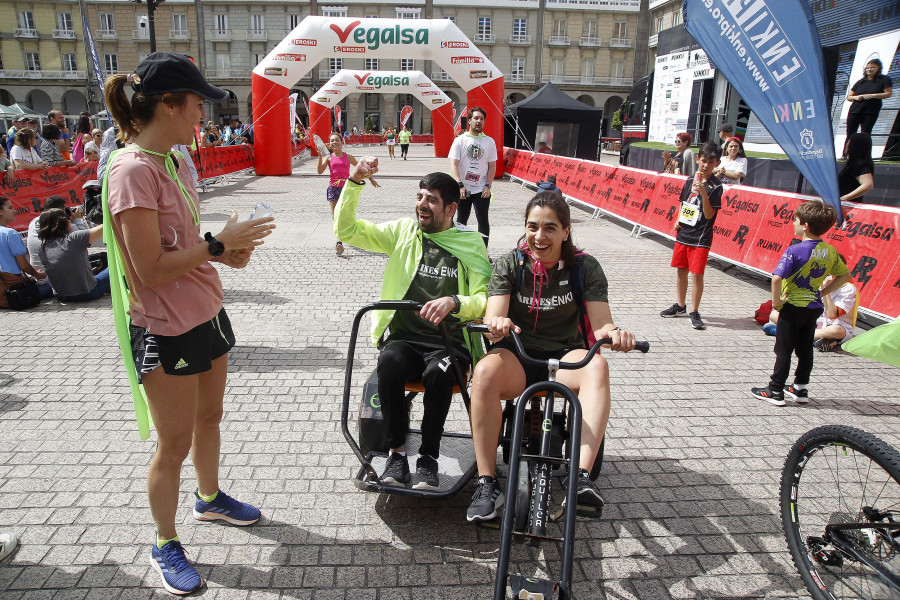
540 306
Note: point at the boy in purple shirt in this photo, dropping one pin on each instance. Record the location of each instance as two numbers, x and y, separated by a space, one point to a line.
796 294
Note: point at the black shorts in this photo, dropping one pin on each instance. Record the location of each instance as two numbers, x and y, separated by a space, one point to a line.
187 354
533 374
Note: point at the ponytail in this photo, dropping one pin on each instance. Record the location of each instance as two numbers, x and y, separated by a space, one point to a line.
137 112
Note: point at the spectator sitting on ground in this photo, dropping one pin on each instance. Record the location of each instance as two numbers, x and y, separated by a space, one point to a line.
733 166
13 261
683 162
549 185
63 252
33 243
50 152
23 154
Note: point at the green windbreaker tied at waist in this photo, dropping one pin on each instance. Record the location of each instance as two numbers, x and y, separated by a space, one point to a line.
401 240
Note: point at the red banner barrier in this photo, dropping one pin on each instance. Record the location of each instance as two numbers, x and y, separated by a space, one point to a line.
753 227
222 160
30 188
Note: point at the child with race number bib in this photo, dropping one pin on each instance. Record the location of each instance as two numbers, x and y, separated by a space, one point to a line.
338 163
537 301
797 295
700 204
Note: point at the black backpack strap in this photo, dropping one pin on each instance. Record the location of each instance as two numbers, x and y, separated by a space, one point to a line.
576 282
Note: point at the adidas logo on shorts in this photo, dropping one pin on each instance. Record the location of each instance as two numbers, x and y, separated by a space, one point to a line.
181 363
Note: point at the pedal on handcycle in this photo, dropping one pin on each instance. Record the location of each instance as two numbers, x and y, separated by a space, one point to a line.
539 430
456 464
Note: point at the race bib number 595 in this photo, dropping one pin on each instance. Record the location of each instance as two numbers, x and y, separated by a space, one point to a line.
690 214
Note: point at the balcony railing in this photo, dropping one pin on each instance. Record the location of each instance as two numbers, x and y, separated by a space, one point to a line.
26 32
228 73
653 41
588 40
179 34
485 38
257 34
140 34
582 80
64 34
559 40
106 34
220 35
441 76
519 78
40 74
521 39
620 42
618 5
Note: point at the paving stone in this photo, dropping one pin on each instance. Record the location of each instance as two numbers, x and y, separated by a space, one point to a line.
691 472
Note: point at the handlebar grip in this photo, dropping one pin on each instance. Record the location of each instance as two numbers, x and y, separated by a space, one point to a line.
642 347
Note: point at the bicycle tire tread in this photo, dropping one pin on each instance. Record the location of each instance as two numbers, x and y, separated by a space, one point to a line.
882 453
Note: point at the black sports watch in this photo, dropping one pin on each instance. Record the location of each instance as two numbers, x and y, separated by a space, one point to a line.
461 185
216 248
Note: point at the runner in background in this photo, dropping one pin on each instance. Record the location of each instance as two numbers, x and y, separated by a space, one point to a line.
473 162
404 136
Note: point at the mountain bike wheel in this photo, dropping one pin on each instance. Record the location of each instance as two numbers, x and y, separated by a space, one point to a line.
841 475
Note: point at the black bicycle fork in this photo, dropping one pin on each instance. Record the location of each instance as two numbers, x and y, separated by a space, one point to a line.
536 529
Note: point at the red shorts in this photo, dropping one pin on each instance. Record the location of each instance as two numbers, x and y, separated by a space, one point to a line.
690 257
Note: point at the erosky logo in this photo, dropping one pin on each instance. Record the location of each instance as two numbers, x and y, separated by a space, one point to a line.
423 85
374 37
350 49
339 83
454 44
305 42
466 60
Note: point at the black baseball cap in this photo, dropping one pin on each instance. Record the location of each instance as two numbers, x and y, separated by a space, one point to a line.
168 72
725 127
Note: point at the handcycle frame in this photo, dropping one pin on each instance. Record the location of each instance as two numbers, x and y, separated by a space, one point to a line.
368 479
538 494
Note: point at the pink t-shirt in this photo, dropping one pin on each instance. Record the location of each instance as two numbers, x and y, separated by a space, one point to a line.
339 169
179 305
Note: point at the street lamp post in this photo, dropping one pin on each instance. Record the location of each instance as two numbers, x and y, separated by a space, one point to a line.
151 8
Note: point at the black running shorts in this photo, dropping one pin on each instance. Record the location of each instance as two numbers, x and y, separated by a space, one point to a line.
187 354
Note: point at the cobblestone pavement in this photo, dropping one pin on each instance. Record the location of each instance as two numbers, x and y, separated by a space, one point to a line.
692 460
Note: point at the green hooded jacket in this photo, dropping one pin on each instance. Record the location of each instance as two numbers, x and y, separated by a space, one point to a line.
401 240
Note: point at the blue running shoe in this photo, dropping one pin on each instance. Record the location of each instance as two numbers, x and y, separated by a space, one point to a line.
226 508
178 575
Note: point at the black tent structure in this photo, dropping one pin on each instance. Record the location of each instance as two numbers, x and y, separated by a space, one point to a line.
551 121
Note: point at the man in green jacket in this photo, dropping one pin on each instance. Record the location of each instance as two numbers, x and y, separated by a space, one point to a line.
432 262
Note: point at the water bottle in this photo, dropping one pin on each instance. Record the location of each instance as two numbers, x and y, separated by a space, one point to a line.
261 211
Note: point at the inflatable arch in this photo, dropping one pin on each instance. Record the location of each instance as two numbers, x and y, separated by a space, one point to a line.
317 38
347 81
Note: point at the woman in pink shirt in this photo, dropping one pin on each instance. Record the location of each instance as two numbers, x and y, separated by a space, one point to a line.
338 163
180 334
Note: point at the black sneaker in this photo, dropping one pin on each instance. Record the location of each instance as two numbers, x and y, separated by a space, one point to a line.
775 397
674 311
826 344
488 497
696 321
427 473
797 395
396 471
587 494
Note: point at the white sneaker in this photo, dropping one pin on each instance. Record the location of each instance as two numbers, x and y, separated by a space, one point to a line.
8 543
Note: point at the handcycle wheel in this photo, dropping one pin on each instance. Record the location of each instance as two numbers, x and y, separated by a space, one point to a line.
523 497
837 474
